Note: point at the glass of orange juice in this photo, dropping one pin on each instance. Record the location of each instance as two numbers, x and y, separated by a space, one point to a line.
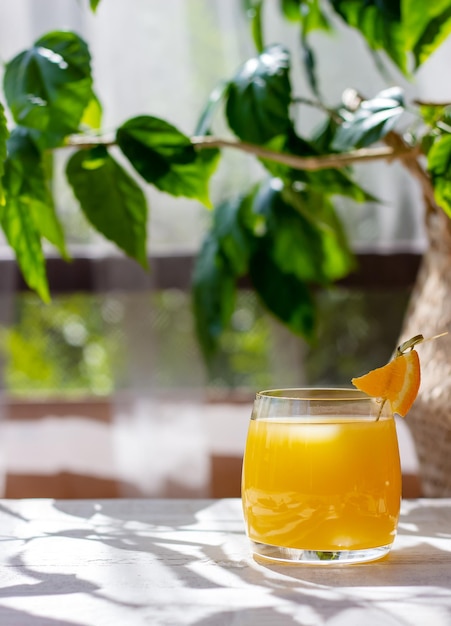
321 477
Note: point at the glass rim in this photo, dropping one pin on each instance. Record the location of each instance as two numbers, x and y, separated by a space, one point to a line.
321 394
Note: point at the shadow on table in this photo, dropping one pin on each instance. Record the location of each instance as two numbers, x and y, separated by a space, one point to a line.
136 510
416 559
41 584
13 616
407 571
417 545
247 617
387 572
417 516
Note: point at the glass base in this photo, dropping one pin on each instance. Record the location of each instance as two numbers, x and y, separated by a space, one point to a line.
276 554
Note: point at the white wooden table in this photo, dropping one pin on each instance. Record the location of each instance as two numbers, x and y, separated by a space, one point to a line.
177 562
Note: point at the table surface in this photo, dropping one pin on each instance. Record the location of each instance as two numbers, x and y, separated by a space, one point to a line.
176 562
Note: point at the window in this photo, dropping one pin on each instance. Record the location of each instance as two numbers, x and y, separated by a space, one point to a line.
113 330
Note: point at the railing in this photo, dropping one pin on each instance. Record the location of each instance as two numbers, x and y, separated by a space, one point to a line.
89 272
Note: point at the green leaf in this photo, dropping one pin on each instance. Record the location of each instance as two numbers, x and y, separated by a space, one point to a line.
338 259
111 200
46 140
324 134
308 12
92 115
94 4
291 9
259 97
288 298
309 60
231 234
439 166
257 27
292 240
24 238
204 123
27 182
49 86
303 234
192 180
3 139
253 10
330 182
153 146
21 232
434 114
255 17
373 120
379 21
310 17
214 287
426 26
166 158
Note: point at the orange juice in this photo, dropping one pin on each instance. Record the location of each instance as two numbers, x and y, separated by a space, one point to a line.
322 484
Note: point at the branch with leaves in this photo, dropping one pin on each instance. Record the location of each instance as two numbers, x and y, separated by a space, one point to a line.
285 234
400 152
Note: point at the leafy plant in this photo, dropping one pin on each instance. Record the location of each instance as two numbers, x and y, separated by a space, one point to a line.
72 347
284 234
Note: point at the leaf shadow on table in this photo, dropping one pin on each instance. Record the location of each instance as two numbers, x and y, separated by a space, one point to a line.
338 614
246 617
134 509
14 616
221 544
415 526
44 584
130 531
417 517
133 528
52 584
40 584
153 537
9 512
417 572
368 594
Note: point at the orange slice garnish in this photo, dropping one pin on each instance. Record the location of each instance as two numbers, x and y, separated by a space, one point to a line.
398 382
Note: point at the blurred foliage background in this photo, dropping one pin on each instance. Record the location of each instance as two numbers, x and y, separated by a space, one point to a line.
82 344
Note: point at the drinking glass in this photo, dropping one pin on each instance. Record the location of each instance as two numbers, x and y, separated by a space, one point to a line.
321 476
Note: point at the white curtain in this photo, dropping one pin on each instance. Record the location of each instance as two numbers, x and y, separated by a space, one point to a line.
164 57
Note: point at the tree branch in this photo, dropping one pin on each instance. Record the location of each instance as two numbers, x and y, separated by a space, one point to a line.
312 162
316 104
428 103
85 142
410 162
